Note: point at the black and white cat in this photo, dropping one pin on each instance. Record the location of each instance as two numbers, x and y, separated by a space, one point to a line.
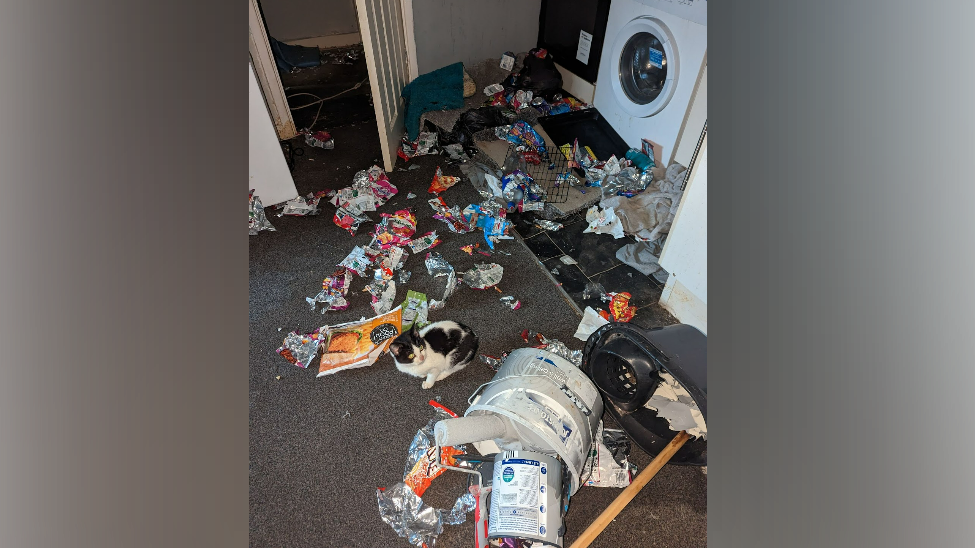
435 352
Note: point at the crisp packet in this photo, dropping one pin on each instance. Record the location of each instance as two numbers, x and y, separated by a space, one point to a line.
394 229
357 261
442 182
257 220
415 309
548 225
522 133
438 266
359 344
494 227
421 461
511 302
348 220
303 206
483 276
320 139
301 349
334 290
619 307
450 215
427 241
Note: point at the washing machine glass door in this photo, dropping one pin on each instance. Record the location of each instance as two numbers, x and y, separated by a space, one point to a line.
648 67
643 68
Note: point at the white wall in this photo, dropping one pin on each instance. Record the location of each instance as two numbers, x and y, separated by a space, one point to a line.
269 174
685 255
448 31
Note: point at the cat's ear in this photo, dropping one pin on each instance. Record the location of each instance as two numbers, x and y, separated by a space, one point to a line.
395 347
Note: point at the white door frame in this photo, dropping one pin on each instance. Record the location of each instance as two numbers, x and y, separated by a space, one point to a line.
267 74
409 36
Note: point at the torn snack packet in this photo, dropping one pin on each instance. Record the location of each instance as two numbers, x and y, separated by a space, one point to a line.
415 309
548 225
427 241
359 344
522 133
348 220
301 349
320 139
619 307
334 290
456 222
394 229
357 261
410 195
303 206
404 276
483 276
511 302
442 182
257 220
438 266
494 227
383 292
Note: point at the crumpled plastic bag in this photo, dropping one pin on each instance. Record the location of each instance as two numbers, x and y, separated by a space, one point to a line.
591 321
483 276
257 220
604 222
427 241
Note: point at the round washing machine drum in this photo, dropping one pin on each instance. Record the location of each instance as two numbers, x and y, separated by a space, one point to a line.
648 63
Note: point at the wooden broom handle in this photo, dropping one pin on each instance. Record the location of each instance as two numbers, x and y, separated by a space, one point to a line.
624 498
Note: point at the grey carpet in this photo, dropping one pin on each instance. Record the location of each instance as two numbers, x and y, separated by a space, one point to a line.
313 473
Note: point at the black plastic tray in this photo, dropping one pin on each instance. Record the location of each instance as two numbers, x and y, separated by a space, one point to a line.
590 127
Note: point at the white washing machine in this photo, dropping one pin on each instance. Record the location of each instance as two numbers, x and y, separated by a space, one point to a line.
652 59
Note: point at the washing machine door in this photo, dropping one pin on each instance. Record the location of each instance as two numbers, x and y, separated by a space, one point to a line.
648 67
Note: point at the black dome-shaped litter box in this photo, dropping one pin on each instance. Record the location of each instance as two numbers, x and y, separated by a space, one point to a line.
623 359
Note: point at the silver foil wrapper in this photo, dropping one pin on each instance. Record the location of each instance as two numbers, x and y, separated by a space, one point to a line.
548 225
559 348
511 302
483 276
404 276
257 219
303 348
438 266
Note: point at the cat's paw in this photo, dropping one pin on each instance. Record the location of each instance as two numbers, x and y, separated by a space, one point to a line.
426 385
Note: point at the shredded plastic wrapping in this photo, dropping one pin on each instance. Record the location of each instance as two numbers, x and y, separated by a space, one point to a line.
608 464
438 266
494 225
404 276
511 302
350 221
394 229
401 507
320 139
674 403
300 207
257 220
333 293
483 276
383 292
370 189
427 241
300 349
548 225
451 216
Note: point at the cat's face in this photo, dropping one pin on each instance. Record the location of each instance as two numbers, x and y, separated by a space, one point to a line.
408 347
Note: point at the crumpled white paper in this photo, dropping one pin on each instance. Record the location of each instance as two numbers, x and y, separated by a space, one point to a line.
604 222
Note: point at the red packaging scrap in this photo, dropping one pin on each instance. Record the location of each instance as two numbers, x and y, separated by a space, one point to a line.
619 307
442 182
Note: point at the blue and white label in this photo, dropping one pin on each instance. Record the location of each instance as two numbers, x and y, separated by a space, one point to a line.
517 506
655 57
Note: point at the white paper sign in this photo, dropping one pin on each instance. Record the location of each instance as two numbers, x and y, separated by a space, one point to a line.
585 43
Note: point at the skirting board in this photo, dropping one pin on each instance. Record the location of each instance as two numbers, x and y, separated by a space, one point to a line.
581 89
684 305
330 41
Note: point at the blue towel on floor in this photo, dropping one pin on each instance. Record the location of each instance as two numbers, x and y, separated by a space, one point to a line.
442 89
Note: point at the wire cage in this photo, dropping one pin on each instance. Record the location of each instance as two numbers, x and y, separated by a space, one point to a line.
549 169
